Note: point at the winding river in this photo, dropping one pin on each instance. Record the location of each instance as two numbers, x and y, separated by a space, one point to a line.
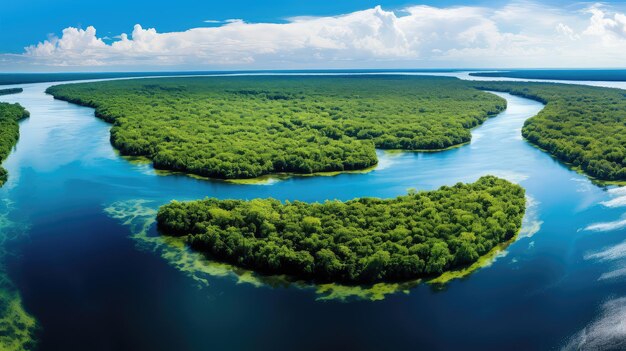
84 268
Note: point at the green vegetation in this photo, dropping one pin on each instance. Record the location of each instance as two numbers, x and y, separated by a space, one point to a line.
139 217
10 114
560 74
580 125
17 327
10 91
245 127
362 240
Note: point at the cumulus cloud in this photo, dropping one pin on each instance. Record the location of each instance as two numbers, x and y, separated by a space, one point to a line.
566 31
609 25
517 34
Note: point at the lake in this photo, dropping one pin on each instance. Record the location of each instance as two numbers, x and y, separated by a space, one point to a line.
82 255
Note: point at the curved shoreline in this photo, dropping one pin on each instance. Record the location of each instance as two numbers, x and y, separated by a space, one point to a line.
579 169
140 218
272 176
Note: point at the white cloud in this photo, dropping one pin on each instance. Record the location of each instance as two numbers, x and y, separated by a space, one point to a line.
520 34
609 254
607 226
614 274
608 25
566 31
615 202
607 332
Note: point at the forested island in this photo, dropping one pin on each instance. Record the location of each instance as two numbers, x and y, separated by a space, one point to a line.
10 114
245 127
615 75
581 125
359 241
10 91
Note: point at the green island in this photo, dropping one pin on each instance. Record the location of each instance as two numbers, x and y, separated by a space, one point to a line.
10 114
246 127
582 126
10 91
614 75
359 241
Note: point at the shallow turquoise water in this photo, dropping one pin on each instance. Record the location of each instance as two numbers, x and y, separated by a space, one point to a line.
93 279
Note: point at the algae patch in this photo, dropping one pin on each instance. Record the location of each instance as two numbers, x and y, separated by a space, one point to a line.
17 327
140 216
530 225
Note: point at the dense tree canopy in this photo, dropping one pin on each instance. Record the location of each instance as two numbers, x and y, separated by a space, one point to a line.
243 127
362 240
581 125
559 74
10 114
10 91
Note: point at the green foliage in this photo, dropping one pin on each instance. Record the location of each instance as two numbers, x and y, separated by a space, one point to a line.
581 125
244 127
10 114
10 91
362 240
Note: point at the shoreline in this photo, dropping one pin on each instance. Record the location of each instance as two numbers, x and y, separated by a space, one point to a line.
269 178
577 169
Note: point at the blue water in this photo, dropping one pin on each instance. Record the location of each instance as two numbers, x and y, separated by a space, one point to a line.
91 270
562 74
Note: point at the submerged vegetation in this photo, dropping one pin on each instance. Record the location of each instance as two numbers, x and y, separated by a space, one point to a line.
245 127
17 326
358 241
139 216
581 125
10 114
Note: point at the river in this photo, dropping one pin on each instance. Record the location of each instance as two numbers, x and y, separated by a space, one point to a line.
82 258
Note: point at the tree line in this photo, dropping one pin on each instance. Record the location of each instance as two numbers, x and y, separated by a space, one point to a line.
244 127
358 241
10 91
10 114
581 125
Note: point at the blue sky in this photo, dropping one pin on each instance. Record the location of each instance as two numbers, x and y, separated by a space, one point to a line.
67 35
38 18
33 20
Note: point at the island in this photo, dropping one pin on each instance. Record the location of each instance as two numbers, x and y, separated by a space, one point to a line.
364 240
612 75
10 91
250 126
10 114
583 126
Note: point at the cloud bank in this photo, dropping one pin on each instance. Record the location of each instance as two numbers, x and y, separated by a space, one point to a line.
520 34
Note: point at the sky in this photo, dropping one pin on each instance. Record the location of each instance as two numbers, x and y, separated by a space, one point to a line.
157 35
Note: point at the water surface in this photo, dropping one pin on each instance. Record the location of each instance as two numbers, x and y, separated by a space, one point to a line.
91 270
